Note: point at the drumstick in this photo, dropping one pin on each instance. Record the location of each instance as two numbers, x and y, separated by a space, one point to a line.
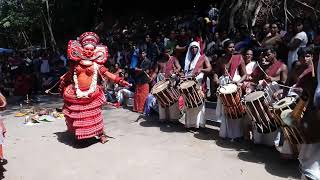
262 69
146 74
274 82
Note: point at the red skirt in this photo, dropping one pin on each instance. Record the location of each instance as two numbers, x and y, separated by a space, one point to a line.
84 115
140 97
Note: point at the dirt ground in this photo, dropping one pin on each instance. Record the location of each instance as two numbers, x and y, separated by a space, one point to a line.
140 149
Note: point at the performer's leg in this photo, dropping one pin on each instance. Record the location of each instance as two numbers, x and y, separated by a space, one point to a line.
103 138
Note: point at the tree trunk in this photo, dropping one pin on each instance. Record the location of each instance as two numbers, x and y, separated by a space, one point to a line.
232 15
256 12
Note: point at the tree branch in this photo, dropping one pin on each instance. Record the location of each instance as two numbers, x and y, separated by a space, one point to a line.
308 6
254 19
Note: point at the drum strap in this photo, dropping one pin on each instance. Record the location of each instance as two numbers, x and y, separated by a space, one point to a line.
272 70
199 63
304 74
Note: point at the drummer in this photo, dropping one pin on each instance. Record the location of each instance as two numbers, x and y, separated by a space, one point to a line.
196 66
230 68
167 67
302 69
272 70
277 71
309 156
300 78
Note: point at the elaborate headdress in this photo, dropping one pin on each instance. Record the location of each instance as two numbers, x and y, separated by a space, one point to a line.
89 38
77 52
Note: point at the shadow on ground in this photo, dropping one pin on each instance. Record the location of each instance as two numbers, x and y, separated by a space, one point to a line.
68 139
270 157
207 134
2 169
153 121
261 154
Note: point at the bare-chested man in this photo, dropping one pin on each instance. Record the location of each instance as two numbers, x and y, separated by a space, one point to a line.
166 67
230 67
277 71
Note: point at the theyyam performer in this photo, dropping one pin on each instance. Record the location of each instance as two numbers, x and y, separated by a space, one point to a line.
83 96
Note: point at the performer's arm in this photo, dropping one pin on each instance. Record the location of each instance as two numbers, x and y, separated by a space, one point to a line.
284 74
208 67
4 101
176 66
216 79
65 80
243 70
108 75
155 72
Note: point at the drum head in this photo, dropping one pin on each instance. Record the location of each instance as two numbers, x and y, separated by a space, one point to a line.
159 86
286 117
287 101
254 96
228 89
187 84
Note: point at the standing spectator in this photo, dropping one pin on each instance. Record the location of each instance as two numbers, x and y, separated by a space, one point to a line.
149 48
142 80
273 37
3 104
300 40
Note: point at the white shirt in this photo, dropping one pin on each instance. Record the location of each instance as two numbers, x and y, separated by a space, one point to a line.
250 67
293 54
44 68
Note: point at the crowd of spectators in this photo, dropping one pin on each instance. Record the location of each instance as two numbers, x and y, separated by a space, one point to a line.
140 37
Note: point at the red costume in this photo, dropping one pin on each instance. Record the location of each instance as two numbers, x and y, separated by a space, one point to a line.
83 96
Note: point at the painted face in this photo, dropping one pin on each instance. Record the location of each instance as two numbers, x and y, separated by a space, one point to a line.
88 50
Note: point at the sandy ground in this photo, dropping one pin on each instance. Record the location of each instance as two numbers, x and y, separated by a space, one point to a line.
140 149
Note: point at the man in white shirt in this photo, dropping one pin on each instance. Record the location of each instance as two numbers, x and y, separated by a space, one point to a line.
298 41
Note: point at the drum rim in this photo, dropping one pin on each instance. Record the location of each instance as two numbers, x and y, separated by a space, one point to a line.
155 89
276 106
246 98
221 87
286 115
187 82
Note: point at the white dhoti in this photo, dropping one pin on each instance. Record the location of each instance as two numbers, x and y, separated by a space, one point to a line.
195 117
309 158
265 139
171 113
229 128
123 95
285 148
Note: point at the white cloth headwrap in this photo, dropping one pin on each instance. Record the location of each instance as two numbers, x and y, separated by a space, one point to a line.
189 59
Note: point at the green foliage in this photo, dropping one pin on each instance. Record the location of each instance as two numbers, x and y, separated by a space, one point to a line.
17 17
20 15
